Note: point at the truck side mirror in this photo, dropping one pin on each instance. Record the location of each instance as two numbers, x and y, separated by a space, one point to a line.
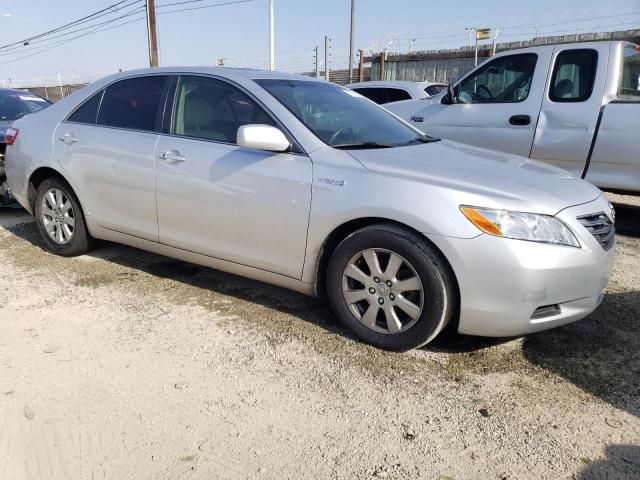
450 97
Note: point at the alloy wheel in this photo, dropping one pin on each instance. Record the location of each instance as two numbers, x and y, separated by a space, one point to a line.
383 291
57 216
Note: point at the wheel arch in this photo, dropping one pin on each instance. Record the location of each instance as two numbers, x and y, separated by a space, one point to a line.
345 229
41 174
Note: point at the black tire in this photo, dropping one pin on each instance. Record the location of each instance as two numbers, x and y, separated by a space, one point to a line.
439 295
80 241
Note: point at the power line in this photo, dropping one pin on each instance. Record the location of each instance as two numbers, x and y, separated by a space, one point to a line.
199 8
62 42
93 16
45 48
36 44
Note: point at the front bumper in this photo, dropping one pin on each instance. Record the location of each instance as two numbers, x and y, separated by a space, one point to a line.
503 282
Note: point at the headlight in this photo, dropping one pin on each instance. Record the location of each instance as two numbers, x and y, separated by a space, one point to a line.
521 226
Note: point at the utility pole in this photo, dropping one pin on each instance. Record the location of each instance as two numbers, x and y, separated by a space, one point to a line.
495 40
351 39
60 84
476 60
326 57
317 62
272 41
361 67
152 32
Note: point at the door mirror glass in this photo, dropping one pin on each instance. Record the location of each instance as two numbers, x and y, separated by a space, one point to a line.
262 137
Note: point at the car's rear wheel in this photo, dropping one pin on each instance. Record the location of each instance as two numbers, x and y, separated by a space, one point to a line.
60 220
391 287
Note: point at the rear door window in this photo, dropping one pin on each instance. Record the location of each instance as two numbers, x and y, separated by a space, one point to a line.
630 78
133 103
573 76
211 109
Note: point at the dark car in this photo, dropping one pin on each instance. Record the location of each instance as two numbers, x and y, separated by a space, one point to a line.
14 104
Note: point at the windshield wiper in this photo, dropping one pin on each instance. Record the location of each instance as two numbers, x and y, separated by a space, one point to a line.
424 139
361 146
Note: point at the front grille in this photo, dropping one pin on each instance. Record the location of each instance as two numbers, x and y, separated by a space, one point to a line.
601 228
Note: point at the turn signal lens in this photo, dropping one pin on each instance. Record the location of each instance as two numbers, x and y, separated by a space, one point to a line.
482 222
11 135
520 225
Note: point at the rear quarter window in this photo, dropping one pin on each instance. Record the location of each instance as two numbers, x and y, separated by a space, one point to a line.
88 111
630 76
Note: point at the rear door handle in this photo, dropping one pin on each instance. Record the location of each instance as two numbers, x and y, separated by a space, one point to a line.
520 120
68 138
172 156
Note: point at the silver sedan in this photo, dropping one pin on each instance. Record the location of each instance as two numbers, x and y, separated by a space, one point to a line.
310 186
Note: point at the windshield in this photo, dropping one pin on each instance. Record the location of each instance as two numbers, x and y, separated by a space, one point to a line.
15 106
340 117
630 82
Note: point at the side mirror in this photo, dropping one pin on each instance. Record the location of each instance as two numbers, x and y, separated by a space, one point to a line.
262 137
450 97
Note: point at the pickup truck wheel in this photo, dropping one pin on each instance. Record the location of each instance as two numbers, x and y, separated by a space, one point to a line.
390 287
60 219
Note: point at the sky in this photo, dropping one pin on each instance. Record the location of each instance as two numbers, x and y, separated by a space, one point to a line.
238 32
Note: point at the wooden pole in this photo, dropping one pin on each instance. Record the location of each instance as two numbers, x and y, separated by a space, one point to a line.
152 31
361 66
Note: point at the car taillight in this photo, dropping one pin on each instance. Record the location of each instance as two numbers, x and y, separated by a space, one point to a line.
11 135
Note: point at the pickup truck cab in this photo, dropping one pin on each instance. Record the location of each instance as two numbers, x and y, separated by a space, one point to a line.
576 106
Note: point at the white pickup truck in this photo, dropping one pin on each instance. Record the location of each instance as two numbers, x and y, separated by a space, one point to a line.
576 106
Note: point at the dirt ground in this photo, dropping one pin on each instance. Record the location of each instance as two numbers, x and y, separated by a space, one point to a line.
126 365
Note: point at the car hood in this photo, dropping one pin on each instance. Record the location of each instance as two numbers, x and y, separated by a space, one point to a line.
482 177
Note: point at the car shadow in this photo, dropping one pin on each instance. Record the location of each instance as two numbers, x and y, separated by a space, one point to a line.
600 354
627 219
620 462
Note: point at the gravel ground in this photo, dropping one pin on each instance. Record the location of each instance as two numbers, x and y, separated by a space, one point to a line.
122 364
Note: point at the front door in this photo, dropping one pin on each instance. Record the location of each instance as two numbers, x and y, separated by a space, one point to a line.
245 206
496 106
570 110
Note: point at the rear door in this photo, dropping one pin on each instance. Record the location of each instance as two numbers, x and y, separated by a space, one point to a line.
615 162
497 104
570 107
241 205
107 147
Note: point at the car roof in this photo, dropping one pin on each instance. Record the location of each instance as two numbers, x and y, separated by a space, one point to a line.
388 83
227 72
15 91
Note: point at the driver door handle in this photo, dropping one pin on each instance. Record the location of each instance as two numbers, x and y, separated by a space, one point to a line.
68 138
520 120
172 156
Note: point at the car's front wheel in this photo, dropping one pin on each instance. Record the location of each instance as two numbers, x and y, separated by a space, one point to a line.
60 219
391 287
